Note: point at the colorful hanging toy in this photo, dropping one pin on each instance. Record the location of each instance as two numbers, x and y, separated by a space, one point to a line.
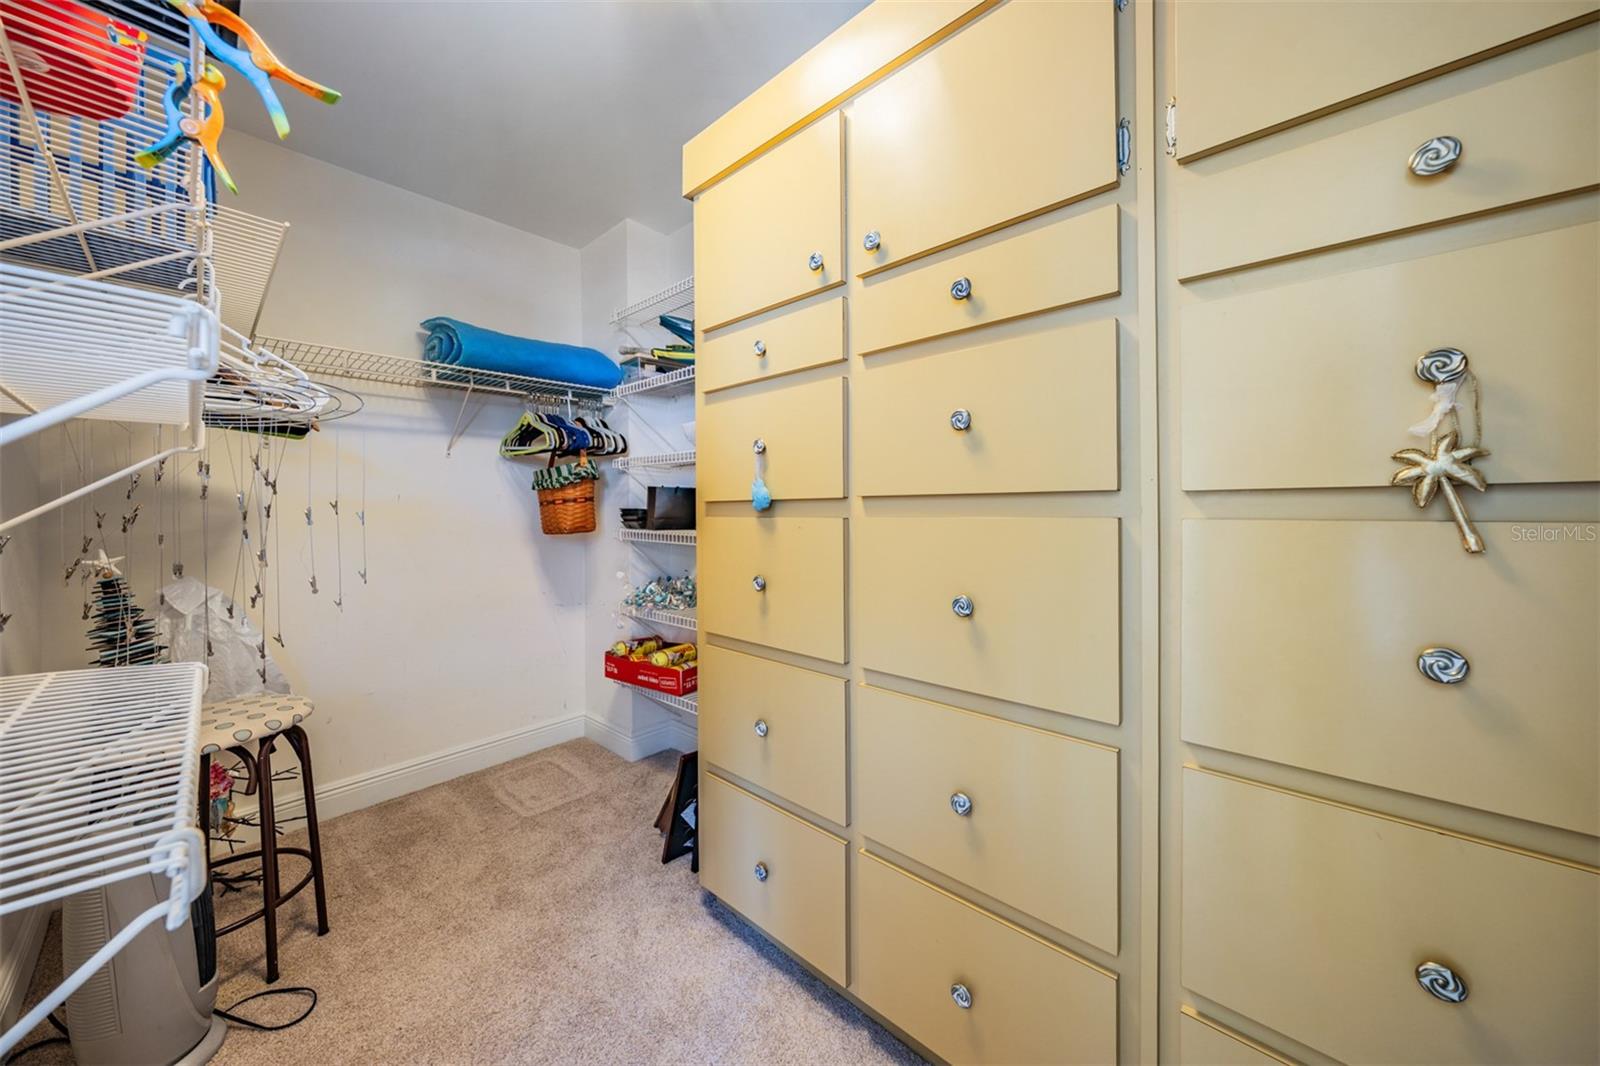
257 65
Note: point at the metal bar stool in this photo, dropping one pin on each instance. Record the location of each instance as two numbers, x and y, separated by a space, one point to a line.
230 725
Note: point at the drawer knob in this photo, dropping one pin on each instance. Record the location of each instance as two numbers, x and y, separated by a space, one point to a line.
1435 157
1442 365
961 288
761 348
758 446
871 241
761 727
758 583
761 871
815 262
962 996
1444 665
961 803
1442 982
961 419
962 606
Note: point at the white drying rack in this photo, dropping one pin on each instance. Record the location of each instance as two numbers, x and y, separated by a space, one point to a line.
98 784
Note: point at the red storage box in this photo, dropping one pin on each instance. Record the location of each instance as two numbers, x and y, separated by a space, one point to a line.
674 681
74 60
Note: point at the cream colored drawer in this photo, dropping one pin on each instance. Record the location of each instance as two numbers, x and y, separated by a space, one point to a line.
1039 830
1043 624
1005 120
776 726
1522 310
782 873
1029 1001
905 436
795 340
757 230
1532 134
801 428
1313 920
1203 1042
1301 640
1068 262
799 562
1247 69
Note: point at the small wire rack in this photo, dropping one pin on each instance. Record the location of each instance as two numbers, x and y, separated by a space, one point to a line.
98 784
675 299
657 536
325 360
658 384
677 619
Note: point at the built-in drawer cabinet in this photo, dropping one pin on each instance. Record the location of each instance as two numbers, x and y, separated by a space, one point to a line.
1022 815
971 987
1058 264
771 232
1246 69
798 431
782 344
959 422
1376 940
776 726
1533 134
780 872
935 148
1522 311
1203 1042
1021 609
1302 642
775 581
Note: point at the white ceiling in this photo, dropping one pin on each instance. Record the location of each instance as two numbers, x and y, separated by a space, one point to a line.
558 117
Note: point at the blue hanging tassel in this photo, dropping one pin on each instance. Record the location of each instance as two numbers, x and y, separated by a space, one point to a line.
760 498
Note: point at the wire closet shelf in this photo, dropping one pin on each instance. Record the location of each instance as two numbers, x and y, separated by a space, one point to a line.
677 619
99 784
689 704
676 299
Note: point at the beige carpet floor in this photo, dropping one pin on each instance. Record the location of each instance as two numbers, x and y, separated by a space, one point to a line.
522 915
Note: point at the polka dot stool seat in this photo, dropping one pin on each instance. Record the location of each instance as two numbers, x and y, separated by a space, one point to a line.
235 726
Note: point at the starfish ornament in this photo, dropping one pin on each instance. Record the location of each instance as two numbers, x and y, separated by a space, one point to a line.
1430 473
102 566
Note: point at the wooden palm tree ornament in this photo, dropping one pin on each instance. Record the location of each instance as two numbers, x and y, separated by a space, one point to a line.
1435 473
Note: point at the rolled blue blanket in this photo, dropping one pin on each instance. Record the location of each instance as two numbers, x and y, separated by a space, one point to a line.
465 345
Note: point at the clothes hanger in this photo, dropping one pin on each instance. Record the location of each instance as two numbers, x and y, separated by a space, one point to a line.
530 436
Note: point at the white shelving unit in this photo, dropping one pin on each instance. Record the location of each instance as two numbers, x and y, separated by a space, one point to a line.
656 461
657 536
677 619
98 784
689 704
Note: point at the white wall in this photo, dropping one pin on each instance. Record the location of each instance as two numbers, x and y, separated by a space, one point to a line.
467 646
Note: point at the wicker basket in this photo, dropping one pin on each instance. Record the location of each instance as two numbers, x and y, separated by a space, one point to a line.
570 508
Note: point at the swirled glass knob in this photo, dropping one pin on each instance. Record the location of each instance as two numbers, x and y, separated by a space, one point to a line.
871 241
1441 982
815 262
962 996
962 606
961 803
1435 157
761 871
1444 665
1442 365
961 419
758 445
761 348
761 727
961 288
758 583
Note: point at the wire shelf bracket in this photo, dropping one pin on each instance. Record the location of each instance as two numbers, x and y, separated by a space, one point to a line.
99 784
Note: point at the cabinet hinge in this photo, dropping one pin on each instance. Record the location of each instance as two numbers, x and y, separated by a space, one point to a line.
1124 146
1172 127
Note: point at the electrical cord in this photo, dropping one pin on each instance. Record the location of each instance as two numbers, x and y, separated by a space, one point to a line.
227 1014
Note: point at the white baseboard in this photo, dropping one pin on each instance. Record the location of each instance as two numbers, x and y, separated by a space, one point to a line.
671 734
19 952
387 782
